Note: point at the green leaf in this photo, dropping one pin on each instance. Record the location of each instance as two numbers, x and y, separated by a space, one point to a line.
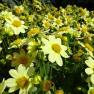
2 86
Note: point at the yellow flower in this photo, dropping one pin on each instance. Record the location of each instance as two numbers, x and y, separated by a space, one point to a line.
20 80
57 22
33 31
16 25
50 16
84 12
54 49
19 9
31 18
84 28
37 79
46 24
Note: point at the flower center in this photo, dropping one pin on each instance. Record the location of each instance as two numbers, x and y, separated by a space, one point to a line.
18 41
56 48
16 23
22 82
23 60
58 21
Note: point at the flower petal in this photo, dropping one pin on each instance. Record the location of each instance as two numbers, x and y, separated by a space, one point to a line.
89 71
45 49
90 62
63 47
92 78
13 73
12 89
22 70
59 60
11 82
64 54
51 58
44 40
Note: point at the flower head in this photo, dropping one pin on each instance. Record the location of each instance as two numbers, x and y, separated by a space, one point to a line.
16 25
46 24
20 80
58 22
54 49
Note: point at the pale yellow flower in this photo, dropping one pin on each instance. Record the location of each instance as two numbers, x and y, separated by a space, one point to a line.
20 80
19 9
84 12
84 28
32 46
50 16
16 25
37 79
57 22
46 24
54 49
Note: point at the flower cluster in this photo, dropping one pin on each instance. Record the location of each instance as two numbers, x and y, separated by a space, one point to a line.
45 48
